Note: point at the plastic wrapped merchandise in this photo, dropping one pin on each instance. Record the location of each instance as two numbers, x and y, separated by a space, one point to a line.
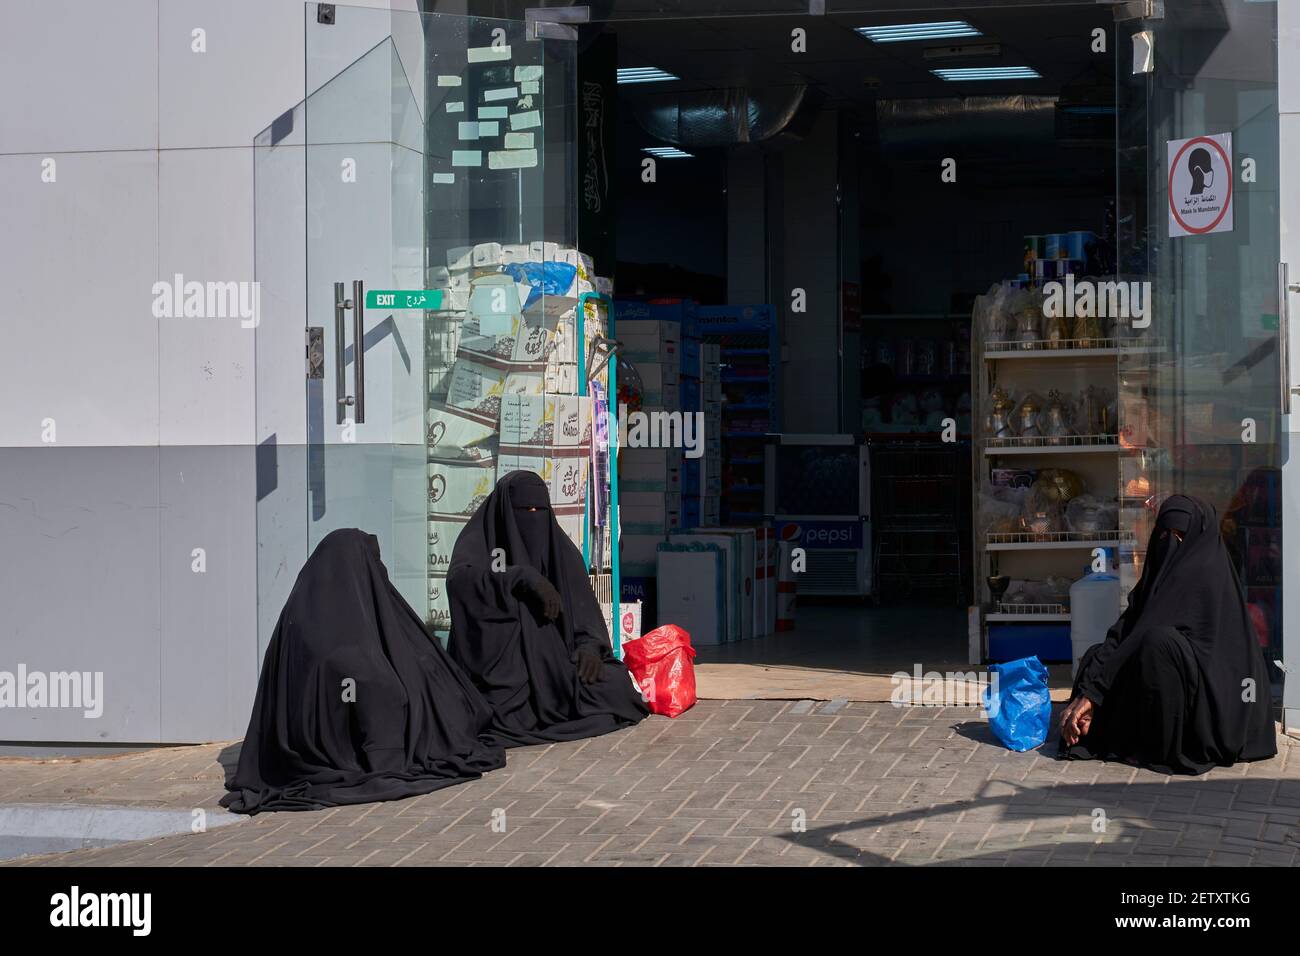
1000 509
1043 514
1088 514
996 325
1062 482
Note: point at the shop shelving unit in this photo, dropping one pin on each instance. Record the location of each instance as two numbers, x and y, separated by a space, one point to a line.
748 369
1037 365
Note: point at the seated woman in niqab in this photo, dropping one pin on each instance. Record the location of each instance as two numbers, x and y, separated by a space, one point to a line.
1180 684
526 627
357 702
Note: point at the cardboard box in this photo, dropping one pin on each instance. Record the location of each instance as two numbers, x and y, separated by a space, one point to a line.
547 422
638 552
486 254
650 469
439 606
479 386
460 258
659 383
745 577
454 434
692 591
458 488
542 251
566 477
738 567
443 532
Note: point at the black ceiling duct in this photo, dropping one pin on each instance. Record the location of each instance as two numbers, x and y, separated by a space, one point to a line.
991 125
728 117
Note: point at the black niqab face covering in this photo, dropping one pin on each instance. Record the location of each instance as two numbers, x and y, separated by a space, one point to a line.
531 507
1173 526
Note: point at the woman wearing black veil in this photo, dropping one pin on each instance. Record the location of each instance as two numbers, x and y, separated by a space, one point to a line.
526 627
1180 683
356 702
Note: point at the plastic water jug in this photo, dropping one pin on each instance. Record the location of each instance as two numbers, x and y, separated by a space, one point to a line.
1094 607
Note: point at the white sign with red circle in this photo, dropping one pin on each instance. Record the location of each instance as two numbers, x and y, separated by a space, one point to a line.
1200 184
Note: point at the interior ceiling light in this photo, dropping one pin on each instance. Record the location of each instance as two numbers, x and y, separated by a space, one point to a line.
988 73
903 32
643 74
668 152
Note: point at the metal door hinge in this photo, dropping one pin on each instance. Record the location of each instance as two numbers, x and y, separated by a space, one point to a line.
553 23
1144 52
1137 9
315 351
325 14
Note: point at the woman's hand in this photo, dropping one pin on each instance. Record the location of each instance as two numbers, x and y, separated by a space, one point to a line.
1076 720
590 665
539 594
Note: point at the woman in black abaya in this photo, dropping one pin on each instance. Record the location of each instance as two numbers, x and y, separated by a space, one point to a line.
526 627
1180 683
356 702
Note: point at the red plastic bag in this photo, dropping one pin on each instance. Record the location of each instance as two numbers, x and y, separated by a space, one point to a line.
660 663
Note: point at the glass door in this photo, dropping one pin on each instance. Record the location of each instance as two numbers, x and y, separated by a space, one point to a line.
364 185
1201 404
392 205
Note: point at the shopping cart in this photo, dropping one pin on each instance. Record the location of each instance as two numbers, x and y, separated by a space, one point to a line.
917 494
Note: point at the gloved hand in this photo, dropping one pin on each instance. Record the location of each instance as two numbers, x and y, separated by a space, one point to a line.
539 594
590 664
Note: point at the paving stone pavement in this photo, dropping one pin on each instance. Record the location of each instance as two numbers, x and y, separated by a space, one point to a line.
748 782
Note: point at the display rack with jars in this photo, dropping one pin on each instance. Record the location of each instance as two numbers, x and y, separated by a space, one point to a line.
1046 468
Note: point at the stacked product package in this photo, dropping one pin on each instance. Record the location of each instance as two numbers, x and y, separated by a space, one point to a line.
701 505
650 463
501 357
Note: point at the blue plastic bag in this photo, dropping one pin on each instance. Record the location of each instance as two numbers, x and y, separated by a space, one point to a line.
546 278
1019 703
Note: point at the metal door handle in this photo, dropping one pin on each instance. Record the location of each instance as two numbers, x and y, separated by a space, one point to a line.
341 305
1284 289
359 346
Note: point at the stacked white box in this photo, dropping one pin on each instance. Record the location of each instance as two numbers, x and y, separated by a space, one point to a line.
738 567
649 512
650 469
654 348
693 588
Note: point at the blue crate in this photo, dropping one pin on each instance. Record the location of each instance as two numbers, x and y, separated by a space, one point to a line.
1010 642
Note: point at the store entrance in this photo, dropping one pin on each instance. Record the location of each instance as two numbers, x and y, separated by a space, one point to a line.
902 199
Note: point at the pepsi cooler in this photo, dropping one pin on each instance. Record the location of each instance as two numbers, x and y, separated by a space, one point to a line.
817 494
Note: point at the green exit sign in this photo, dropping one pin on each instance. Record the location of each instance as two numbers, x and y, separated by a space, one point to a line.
404 299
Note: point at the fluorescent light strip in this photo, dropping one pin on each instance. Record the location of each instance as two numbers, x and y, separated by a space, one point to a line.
903 32
668 152
988 73
644 74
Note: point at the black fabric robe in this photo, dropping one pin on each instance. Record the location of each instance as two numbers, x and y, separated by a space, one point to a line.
523 664
410 726
1167 683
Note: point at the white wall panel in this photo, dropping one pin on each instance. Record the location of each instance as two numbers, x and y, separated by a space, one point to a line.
207 371
78 257
78 75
